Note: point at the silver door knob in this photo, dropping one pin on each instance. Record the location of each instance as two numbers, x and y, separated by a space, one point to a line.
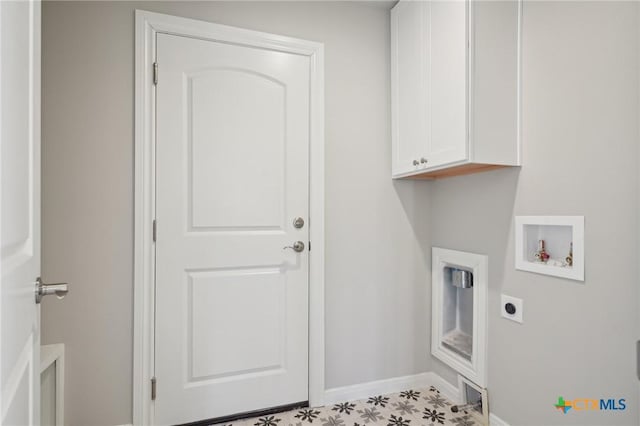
298 222
423 160
415 162
42 289
298 246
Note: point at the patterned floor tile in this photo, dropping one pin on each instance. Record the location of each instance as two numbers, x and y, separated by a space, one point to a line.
288 419
412 407
268 420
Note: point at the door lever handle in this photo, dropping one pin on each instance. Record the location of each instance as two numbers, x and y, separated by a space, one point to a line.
42 289
298 246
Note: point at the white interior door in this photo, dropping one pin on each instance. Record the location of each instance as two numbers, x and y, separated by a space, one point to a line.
19 210
232 174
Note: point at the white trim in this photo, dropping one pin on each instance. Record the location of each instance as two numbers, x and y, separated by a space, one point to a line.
148 24
2 143
519 84
143 366
470 72
23 365
448 390
392 385
496 421
316 230
49 355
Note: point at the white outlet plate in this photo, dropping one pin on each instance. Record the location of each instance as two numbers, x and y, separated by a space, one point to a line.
517 316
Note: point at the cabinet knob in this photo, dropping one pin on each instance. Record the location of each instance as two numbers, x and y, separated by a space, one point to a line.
415 162
423 160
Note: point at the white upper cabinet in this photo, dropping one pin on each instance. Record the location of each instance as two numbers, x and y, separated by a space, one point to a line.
455 80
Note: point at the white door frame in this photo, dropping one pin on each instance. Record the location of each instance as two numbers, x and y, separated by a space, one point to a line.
148 24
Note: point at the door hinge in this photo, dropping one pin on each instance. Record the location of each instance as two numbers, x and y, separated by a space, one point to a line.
155 230
153 388
309 245
155 73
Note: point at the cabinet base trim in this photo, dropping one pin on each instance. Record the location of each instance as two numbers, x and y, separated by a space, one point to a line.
464 169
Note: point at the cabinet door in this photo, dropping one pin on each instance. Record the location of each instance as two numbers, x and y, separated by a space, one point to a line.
448 88
409 85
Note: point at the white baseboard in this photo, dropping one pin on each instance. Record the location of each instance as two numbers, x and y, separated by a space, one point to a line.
496 421
393 385
448 390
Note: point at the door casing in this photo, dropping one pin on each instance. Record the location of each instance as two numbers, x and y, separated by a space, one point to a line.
148 25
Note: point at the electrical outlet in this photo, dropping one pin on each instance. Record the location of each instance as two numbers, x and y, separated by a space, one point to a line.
511 308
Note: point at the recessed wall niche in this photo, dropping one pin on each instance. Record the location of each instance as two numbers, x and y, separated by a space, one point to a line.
459 311
550 245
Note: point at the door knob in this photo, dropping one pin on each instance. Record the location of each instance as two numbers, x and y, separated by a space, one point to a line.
423 160
415 162
42 289
298 246
298 222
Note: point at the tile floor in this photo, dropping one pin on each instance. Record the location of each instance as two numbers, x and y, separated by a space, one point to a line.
423 407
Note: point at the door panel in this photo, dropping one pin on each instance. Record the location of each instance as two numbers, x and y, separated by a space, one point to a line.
448 27
232 174
16 413
410 81
19 210
247 111
217 296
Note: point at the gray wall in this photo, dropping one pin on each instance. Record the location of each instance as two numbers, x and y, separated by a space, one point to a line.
580 134
376 299
580 140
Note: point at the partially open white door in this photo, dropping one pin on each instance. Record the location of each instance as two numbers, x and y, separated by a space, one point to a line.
19 210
